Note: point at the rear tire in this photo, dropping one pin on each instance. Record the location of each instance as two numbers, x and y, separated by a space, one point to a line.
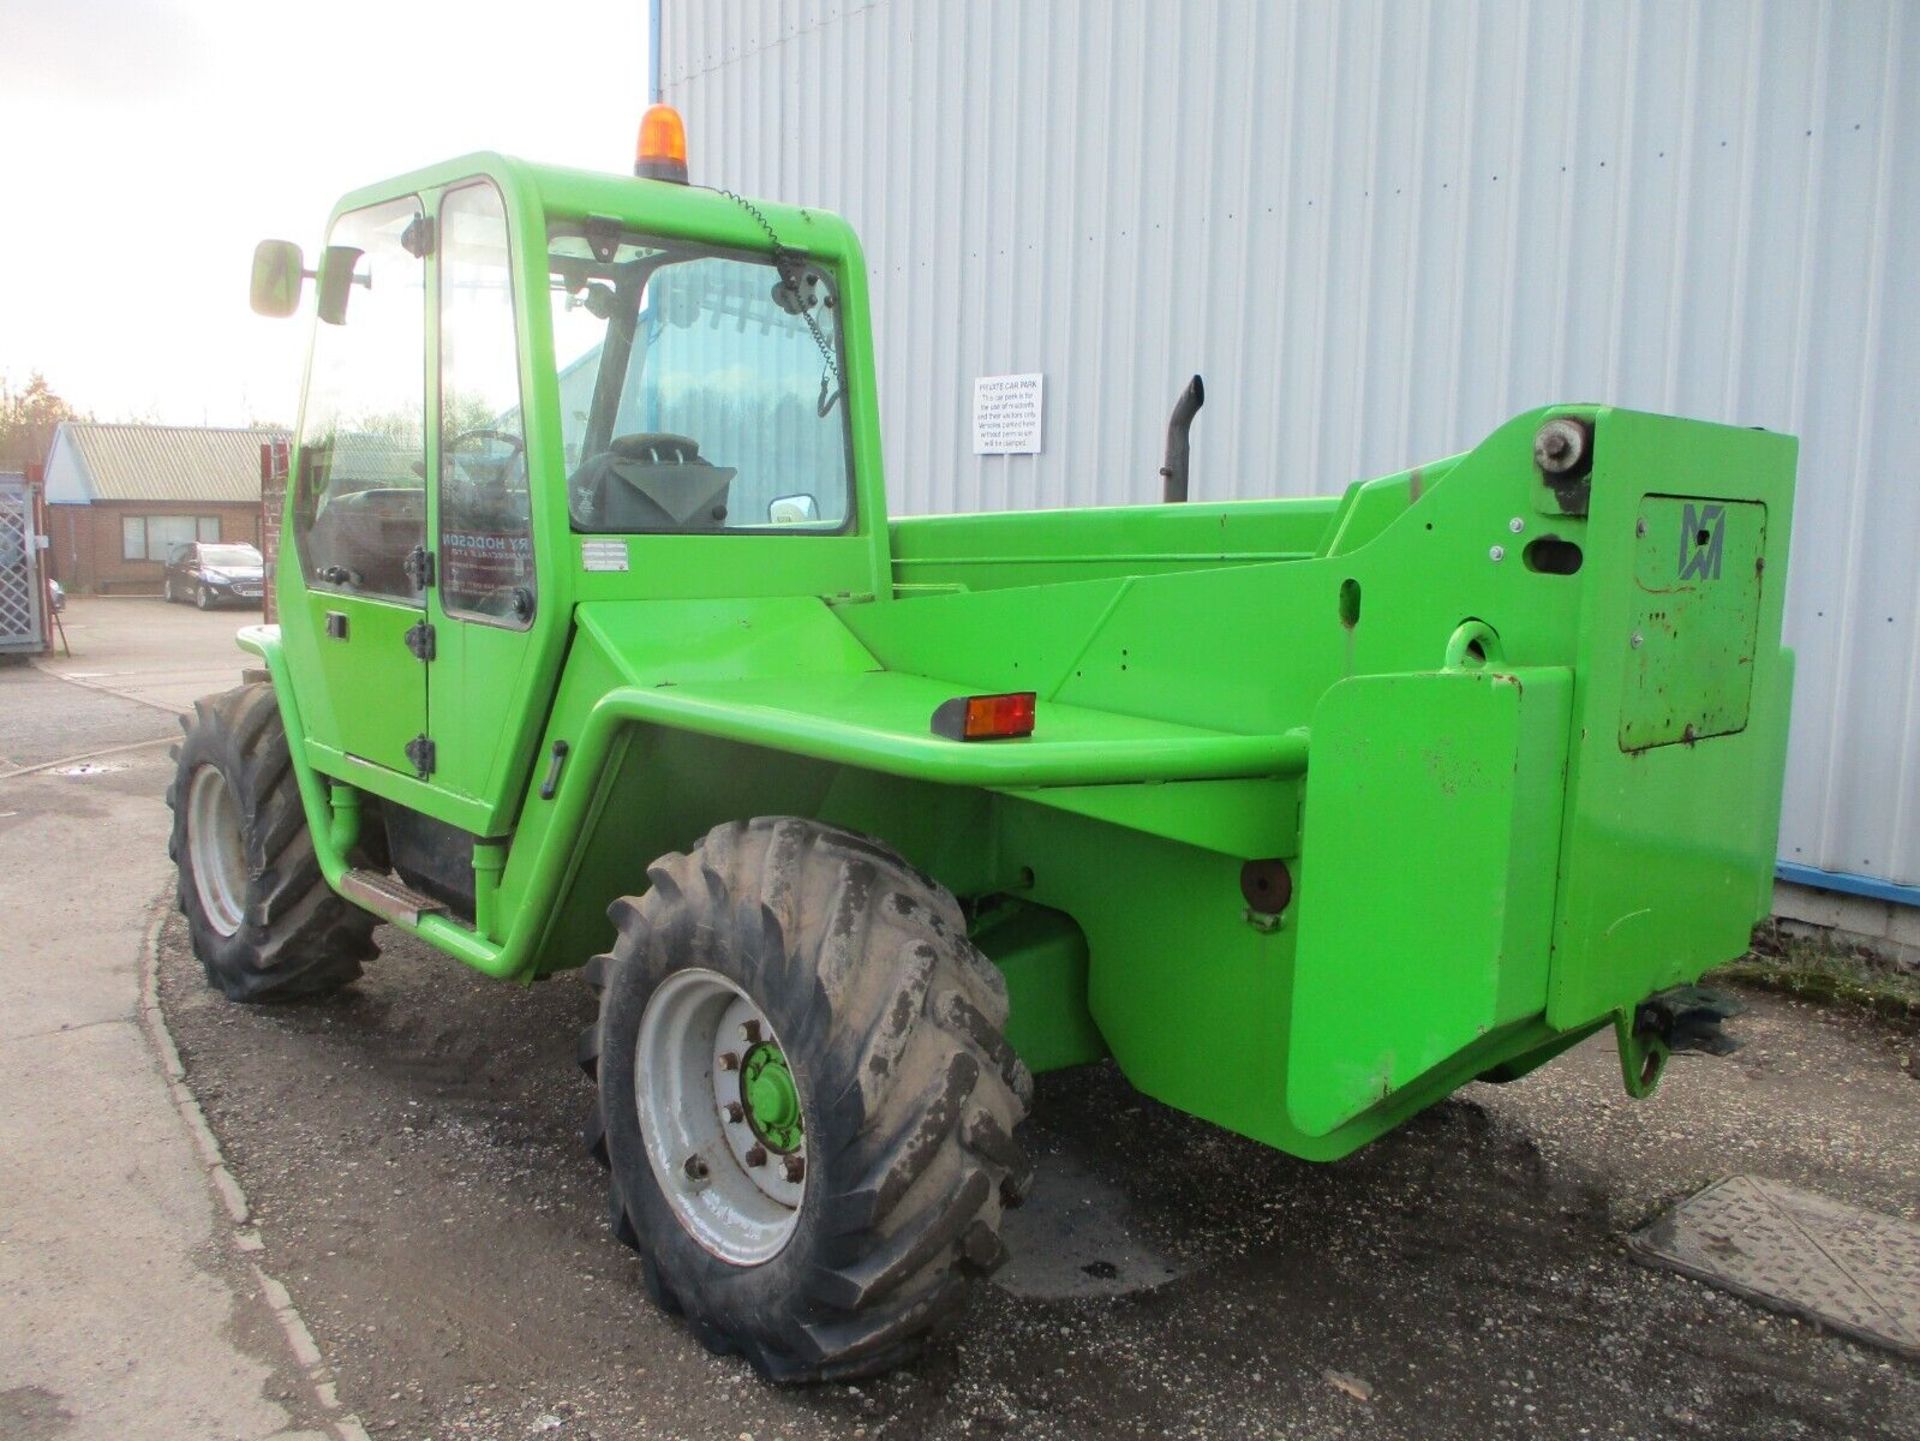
263 920
860 970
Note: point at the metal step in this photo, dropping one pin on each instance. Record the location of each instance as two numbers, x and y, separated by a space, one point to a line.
388 896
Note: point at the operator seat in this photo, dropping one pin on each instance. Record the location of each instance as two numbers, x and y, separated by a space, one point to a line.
650 482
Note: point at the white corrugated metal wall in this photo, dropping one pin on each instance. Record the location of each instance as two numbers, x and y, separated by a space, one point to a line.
1378 230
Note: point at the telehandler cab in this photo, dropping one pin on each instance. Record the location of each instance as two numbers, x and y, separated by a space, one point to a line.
596 647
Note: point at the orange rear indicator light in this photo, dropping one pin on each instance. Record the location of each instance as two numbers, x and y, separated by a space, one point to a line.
662 151
985 717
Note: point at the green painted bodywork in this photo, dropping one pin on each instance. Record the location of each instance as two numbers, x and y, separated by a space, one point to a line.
1501 833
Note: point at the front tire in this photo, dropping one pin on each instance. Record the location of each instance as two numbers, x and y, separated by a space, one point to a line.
202 597
263 920
823 1236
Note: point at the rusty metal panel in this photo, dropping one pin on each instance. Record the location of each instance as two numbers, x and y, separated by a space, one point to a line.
1697 574
1378 231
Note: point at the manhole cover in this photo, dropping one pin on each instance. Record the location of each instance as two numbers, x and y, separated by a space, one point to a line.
1855 1271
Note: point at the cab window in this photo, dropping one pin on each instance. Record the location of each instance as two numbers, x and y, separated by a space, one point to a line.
700 391
486 539
360 496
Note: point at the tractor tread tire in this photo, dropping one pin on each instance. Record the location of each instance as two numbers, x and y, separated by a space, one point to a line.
895 1021
297 938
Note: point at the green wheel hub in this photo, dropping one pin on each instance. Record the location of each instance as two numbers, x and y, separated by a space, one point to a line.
771 1100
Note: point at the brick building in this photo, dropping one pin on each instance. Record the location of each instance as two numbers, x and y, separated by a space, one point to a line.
119 497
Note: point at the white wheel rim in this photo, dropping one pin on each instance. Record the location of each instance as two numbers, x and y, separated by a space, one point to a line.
218 856
694 1036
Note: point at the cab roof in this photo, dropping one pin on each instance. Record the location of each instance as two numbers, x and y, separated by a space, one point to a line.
693 212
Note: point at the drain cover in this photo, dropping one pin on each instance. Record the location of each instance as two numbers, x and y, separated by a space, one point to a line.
1854 1271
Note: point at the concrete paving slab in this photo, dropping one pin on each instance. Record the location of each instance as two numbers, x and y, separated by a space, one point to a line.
42 727
160 655
1853 1270
124 1309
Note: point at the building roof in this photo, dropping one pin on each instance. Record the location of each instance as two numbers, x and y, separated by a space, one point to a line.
92 461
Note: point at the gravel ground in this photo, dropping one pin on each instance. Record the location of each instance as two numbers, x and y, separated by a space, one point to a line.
409 1146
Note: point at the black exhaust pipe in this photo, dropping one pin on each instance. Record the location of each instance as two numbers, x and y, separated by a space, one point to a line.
1173 473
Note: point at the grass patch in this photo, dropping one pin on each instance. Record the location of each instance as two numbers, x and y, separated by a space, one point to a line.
1817 970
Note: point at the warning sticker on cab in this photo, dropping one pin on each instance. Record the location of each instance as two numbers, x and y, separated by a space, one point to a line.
603 555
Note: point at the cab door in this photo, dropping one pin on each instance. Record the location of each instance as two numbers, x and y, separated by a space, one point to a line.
485 598
351 593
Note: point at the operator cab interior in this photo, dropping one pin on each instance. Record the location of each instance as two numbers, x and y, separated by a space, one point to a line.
699 389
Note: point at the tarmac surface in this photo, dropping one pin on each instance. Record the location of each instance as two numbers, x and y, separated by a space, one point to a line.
409 1155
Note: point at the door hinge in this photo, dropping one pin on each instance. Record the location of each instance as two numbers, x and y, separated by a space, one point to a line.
419 567
420 641
420 752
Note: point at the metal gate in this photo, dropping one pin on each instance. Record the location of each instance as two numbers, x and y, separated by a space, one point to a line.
23 586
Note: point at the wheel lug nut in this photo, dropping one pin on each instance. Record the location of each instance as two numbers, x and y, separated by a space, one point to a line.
696 1168
751 1030
729 1061
795 1168
756 1155
736 1113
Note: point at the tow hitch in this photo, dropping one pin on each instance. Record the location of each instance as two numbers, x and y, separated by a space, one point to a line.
1686 1018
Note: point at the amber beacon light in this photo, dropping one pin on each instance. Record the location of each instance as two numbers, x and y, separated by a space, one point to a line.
662 151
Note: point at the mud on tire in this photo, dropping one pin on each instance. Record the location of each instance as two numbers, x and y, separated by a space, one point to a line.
289 934
893 1023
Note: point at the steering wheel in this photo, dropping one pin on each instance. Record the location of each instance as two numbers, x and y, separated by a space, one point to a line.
514 442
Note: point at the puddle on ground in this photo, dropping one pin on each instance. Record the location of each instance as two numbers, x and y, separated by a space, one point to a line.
90 768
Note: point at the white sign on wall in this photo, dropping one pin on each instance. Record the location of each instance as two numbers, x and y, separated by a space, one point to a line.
1006 414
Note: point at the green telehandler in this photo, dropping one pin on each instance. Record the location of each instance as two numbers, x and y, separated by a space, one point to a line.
596 647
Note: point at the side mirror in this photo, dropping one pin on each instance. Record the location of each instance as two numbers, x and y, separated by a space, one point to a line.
277 273
792 510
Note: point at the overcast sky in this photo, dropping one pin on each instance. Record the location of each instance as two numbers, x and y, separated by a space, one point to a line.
151 143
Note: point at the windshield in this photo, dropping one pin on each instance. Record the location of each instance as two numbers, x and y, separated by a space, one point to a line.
229 555
694 394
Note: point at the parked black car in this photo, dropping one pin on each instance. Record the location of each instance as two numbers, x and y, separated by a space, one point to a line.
208 574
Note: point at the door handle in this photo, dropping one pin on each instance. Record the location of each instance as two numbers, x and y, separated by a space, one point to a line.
550 787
